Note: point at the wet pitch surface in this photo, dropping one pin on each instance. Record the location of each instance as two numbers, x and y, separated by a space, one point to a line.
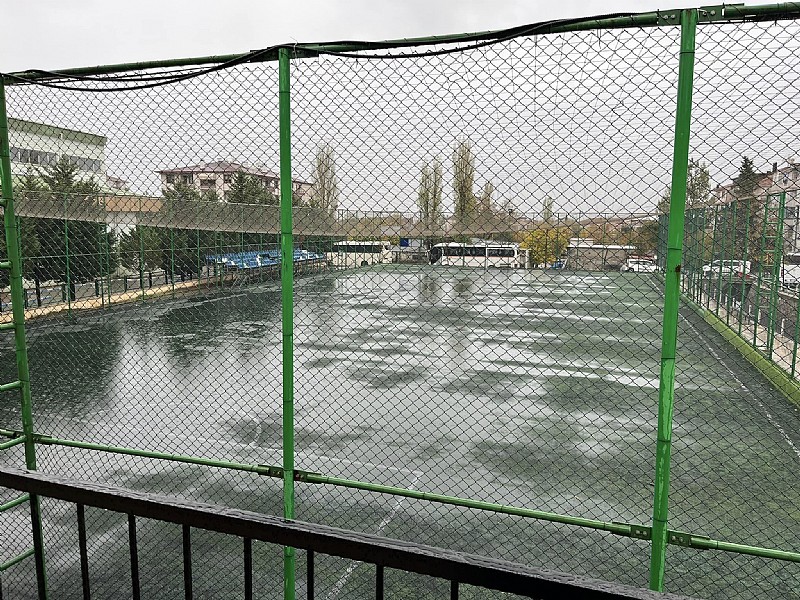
531 389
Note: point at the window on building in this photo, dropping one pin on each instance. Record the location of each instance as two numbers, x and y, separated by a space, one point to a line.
83 163
34 157
170 178
227 178
187 179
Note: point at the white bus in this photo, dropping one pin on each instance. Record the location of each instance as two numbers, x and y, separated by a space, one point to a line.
481 254
350 253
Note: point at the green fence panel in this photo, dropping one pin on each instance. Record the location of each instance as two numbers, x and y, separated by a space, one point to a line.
529 294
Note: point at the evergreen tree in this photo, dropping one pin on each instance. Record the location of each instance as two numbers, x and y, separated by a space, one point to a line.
425 194
745 183
429 195
249 189
698 185
436 193
80 241
484 206
547 210
187 247
749 213
27 190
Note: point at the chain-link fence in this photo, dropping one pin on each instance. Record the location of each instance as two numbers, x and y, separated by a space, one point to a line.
426 301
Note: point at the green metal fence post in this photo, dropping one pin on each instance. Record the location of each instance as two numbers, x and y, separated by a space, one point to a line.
729 288
722 258
287 302
687 281
260 249
199 268
714 255
20 343
775 278
699 252
666 388
762 253
701 259
141 258
67 274
107 245
747 271
172 258
101 254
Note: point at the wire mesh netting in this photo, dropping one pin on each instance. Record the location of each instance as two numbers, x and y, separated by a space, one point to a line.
479 250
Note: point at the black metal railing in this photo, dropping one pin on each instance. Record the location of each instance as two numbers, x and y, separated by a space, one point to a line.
456 567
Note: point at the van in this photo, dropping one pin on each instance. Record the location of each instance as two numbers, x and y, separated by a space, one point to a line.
737 268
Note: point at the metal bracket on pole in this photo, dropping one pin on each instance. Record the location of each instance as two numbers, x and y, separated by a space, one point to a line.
640 532
710 14
669 17
681 538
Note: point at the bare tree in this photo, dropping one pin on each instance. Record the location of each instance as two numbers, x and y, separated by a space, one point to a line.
429 198
547 209
463 181
485 200
325 193
425 193
436 193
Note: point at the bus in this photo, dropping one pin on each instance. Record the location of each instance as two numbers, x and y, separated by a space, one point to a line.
350 253
481 254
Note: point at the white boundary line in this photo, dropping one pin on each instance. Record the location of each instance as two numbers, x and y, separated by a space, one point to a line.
398 504
744 387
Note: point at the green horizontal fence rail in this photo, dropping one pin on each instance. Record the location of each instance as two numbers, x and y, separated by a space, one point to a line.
626 172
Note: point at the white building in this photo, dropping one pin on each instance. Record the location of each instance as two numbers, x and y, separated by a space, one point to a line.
216 177
786 180
36 145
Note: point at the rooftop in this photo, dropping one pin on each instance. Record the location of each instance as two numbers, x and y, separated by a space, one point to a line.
20 125
225 166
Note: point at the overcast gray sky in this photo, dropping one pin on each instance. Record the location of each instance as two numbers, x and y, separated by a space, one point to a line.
585 118
53 34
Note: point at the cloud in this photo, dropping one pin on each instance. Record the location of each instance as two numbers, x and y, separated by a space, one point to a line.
52 34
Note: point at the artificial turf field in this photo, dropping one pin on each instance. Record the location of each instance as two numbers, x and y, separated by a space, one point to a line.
535 389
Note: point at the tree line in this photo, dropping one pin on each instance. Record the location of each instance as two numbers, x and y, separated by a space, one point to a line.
62 249
471 209
42 241
95 250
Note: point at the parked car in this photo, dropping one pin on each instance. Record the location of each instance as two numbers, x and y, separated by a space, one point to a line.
638 265
737 268
559 264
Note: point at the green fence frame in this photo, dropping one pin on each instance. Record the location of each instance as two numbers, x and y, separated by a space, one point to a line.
671 241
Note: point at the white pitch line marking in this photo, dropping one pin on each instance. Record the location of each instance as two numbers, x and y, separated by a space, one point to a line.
764 409
398 504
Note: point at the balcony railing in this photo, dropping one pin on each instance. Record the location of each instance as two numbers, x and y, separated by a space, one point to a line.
456 567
